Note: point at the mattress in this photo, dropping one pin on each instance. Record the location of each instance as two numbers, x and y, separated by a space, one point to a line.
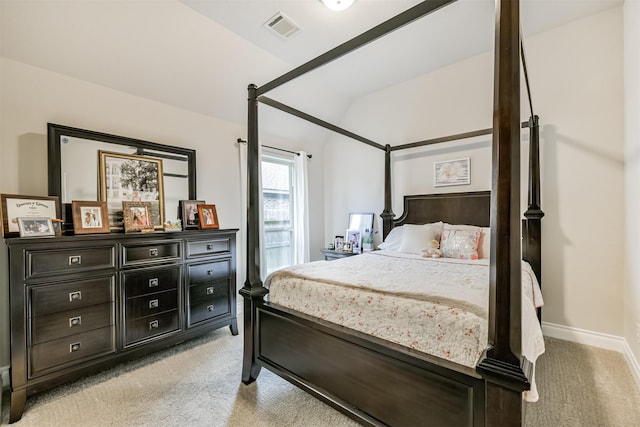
438 306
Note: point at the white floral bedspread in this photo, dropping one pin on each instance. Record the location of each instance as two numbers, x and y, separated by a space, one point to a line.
434 305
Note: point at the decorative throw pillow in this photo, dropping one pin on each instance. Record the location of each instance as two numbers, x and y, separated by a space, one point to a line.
484 245
416 237
393 240
460 244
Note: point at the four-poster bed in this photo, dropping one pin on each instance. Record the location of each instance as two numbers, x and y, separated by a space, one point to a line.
378 382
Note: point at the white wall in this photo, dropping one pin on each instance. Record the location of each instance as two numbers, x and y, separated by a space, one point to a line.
576 76
31 97
632 171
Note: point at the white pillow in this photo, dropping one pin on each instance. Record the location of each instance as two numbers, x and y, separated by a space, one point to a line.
393 240
416 237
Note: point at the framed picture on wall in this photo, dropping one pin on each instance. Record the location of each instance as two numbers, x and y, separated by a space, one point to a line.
452 172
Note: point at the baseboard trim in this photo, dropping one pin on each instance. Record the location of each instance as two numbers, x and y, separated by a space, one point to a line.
595 339
4 377
582 336
632 362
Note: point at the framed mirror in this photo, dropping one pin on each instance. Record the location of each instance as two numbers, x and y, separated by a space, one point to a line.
361 221
74 168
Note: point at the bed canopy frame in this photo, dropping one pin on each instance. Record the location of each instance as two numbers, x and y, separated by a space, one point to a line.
416 389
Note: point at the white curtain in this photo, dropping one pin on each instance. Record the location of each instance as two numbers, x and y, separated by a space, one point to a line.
301 209
242 243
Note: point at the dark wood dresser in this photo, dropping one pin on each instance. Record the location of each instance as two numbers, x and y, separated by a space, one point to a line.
80 304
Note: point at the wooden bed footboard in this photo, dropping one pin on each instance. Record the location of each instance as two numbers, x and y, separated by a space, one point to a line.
370 383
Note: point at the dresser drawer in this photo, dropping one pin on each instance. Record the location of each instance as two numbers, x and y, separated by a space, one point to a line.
213 292
46 262
74 348
150 252
151 304
207 272
71 295
214 246
208 300
62 324
208 310
147 327
151 281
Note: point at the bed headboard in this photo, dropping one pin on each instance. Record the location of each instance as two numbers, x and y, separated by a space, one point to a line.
473 208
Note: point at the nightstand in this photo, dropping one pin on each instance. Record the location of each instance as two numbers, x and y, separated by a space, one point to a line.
330 254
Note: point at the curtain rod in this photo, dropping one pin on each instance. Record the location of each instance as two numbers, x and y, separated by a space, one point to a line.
244 141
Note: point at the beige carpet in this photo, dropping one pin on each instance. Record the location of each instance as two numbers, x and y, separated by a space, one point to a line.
198 384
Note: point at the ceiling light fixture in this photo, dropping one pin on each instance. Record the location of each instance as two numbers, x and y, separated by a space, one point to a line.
338 4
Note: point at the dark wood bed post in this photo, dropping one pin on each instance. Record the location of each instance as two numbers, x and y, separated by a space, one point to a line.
532 224
387 214
504 368
253 291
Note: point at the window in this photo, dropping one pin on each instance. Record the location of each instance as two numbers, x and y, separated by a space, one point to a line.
278 203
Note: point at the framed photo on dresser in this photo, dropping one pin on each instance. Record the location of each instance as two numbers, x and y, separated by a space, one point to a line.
36 227
137 216
188 214
90 217
208 216
130 178
15 206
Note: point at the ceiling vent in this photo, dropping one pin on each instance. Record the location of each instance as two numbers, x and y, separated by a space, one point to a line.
282 25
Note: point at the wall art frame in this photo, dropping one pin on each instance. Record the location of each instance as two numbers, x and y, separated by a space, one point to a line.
452 172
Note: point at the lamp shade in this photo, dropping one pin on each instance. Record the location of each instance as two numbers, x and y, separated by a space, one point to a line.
338 4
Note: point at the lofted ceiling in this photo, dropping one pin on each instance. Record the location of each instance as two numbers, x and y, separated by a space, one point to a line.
200 55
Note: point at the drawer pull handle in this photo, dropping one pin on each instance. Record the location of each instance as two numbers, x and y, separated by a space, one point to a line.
75 260
153 283
210 290
153 252
74 347
153 324
75 321
210 308
75 296
153 303
209 246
